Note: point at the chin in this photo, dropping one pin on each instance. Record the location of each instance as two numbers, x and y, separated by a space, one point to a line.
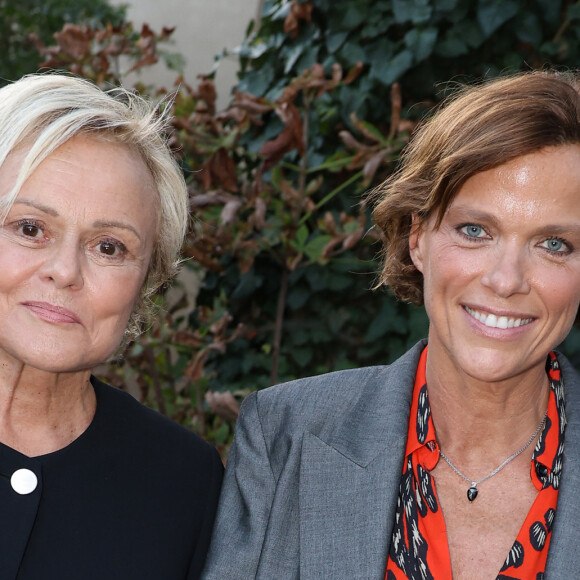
62 358
494 365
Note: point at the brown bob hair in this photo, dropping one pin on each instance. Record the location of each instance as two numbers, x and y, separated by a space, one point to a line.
478 128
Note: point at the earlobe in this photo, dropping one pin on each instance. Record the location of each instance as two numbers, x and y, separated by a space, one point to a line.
415 242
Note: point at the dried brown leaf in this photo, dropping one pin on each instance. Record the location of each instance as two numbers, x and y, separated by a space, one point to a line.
292 262
289 139
74 41
330 247
188 338
224 405
259 216
353 73
208 93
194 369
230 211
396 106
372 165
406 126
362 128
352 143
218 328
352 239
296 13
221 170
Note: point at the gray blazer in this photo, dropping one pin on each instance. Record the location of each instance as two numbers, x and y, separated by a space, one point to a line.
313 477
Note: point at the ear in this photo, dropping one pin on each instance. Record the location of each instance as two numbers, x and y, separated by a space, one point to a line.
416 239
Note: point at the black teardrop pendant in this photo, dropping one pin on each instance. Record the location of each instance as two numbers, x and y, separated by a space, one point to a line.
472 493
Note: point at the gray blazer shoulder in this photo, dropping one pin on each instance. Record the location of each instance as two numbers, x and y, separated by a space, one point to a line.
314 467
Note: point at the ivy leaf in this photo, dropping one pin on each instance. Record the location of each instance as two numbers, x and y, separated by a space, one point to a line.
550 9
529 29
445 5
470 33
389 71
573 12
451 46
421 42
352 53
416 11
297 297
301 237
336 40
292 56
491 14
257 82
354 16
248 284
302 356
316 246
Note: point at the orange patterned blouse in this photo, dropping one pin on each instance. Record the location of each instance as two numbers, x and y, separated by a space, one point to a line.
419 549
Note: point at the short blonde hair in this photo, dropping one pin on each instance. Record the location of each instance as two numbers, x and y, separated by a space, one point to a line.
43 111
479 128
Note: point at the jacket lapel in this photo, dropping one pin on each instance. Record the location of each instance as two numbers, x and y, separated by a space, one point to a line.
349 479
564 555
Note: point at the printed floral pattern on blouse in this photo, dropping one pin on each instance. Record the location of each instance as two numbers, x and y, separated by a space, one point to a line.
419 549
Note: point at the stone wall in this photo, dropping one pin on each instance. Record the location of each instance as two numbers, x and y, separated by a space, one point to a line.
203 28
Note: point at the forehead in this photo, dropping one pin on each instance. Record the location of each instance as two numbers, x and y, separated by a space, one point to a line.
92 175
539 183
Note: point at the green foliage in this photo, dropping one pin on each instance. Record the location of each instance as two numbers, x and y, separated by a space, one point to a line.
332 319
19 19
419 43
329 92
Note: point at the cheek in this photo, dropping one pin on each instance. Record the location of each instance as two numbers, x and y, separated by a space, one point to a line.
446 264
115 294
564 297
559 287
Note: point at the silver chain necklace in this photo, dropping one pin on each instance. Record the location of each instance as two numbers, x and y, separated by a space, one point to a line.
473 491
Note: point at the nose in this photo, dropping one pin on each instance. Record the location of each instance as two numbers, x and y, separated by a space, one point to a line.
63 265
506 272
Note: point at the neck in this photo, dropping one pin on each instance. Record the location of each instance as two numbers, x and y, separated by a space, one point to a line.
479 422
42 412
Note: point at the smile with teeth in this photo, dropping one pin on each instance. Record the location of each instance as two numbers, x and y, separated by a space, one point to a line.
494 321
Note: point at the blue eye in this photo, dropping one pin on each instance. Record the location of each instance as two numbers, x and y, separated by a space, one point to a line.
472 231
555 245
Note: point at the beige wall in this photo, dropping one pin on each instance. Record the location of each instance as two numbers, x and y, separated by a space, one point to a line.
203 28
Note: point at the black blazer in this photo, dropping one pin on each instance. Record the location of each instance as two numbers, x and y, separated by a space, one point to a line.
134 497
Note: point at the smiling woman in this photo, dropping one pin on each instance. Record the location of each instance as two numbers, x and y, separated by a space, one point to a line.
94 209
460 460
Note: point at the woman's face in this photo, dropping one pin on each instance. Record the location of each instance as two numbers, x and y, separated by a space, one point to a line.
502 272
74 252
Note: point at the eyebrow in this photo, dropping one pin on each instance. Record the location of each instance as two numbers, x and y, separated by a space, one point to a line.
560 229
37 205
97 224
116 224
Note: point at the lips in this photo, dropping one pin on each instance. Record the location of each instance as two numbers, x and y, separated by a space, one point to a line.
493 321
52 312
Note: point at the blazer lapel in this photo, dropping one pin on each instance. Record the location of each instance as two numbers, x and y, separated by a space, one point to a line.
564 555
349 479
